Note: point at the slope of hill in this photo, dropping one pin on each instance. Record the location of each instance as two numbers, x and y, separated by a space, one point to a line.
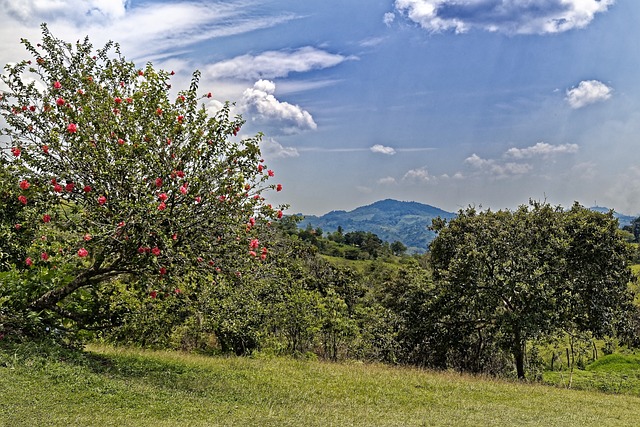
391 220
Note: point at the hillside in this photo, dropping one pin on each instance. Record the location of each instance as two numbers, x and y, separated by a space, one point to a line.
391 220
132 387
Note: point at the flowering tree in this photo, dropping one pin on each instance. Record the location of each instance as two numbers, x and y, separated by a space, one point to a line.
118 179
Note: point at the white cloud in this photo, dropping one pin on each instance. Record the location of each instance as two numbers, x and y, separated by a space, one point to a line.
34 11
588 92
388 18
273 148
148 30
389 180
263 106
274 64
541 149
505 16
497 169
418 175
383 150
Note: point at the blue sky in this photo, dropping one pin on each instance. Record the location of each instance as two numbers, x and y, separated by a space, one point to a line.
445 102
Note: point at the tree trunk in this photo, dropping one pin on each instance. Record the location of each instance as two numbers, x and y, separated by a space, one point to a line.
518 355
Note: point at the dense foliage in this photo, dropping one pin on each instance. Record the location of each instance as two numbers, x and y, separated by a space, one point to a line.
134 214
506 278
118 181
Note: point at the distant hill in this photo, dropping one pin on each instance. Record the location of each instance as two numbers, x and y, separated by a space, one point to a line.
622 219
391 220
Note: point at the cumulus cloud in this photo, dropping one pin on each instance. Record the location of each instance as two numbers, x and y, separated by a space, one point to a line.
496 168
263 106
541 149
418 175
388 18
383 150
274 64
389 180
505 16
274 149
588 92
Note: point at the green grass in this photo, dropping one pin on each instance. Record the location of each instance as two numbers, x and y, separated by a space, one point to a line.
614 373
125 387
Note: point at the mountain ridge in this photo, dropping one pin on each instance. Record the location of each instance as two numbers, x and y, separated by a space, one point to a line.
393 220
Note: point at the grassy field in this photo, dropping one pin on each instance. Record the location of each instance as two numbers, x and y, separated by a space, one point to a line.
124 387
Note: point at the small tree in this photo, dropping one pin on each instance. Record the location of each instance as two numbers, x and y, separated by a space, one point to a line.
509 277
119 180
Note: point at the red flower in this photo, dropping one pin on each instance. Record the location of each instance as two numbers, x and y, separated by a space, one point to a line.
252 253
57 188
254 244
32 108
22 199
72 128
142 250
162 206
236 130
60 102
260 167
16 151
183 189
87 237
129 100
156 251
87 189
102 200
180 119
270 172
141 73
24 184
279 187
153 294
177 291
279 215
175 236
252 221
69 187
46 218
159 111
120 141
57 85
45 148
158 182
163 271
18 226
28 261
44 256
263 256
117 100
198 199
82 252
209 95
180 174
163 197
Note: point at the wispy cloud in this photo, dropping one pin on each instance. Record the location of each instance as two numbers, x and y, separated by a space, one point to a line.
505 16
389 180
275 64
588 92
388 18
381 149
263 106
147 30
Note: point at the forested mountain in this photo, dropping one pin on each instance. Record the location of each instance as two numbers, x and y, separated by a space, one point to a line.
391 220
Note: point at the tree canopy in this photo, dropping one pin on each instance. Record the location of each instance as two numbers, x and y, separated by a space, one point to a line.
508 277
116 176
